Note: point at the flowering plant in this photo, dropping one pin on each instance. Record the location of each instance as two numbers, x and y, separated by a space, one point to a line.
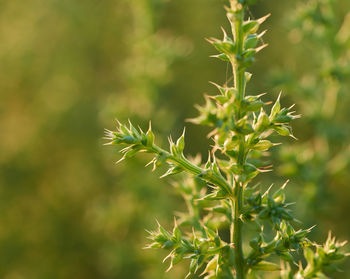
219 193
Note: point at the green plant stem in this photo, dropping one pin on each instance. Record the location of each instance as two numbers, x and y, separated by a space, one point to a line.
193 169
236 233
238 73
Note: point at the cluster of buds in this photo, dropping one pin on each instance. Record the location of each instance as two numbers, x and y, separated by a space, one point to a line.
320 260
201 251
268 206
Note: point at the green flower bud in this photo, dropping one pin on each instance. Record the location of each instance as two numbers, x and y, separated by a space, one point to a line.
263 122
263 145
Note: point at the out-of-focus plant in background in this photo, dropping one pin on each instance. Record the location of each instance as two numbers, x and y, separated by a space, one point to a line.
67 68
320 31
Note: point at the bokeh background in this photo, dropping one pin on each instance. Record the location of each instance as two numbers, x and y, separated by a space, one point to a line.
68 68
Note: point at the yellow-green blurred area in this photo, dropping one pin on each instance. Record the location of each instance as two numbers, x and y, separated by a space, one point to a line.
68 68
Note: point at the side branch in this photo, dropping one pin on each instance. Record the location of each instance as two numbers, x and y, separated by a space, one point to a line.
138 141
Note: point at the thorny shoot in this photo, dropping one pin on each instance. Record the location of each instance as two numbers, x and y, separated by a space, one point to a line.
219 193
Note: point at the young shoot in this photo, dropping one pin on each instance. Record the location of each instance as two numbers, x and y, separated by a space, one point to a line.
219 193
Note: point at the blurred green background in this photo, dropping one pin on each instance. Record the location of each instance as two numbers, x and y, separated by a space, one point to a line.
68 69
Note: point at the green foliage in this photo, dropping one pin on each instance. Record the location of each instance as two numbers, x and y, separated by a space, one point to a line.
241 126
69 67
321 84
65 212
319 260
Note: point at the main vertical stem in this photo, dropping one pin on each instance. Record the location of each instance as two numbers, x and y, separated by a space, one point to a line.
236 233
238 73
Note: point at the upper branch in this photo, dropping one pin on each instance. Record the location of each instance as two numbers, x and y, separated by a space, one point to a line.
139 141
